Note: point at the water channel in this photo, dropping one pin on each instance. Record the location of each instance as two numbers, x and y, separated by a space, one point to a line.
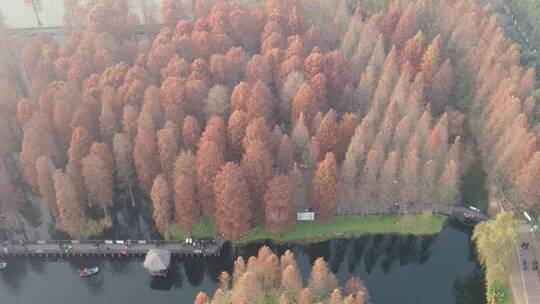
396 269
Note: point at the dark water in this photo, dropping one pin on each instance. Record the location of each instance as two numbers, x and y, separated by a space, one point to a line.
396 269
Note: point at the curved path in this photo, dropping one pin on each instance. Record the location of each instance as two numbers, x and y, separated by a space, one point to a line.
456 211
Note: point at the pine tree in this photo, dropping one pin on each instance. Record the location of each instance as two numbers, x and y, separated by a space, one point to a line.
261 102
258 69
284 159
441 89
45 169
161 200
327 133
37 141
214 131
129 121
412 52
430 60
209 161
240 96
217 102
257 129
236 130
248 289
201 298
313 65
321 280
300 138
187 210
528 179
291 281
70 212
102 151
80 146
405 28
234 210
304 102
388 180
279 209
289 89
97 180
191 132
145 150
108 119
325 181
409 174
125 172
449 183
299 188
167 148
437 145
257 164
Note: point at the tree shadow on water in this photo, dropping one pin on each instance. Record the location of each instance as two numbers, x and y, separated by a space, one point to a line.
317 250
425 248
339 250
471 288
389 252
358 247
13 275
194 269
408 250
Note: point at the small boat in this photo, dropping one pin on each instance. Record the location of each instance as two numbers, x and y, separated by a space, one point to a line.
86 272
3 265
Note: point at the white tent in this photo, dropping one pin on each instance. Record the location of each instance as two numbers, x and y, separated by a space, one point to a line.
157 261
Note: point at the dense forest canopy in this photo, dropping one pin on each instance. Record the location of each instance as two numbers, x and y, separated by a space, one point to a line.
243 112
267 278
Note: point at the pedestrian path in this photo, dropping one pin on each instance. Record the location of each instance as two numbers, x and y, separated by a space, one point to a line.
530 278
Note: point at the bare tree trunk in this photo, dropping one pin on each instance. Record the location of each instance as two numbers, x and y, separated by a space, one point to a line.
21 222
36 14
131 196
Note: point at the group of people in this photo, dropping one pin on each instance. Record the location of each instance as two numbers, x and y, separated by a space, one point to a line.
534 264
524 246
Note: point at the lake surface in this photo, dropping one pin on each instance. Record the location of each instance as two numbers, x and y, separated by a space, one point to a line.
396 269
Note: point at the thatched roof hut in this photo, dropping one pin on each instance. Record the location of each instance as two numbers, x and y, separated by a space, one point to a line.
157 261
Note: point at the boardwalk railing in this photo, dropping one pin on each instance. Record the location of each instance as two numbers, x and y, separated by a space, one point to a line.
70 248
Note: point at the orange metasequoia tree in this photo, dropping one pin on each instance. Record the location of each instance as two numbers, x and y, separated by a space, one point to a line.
279 208
234 209
325 183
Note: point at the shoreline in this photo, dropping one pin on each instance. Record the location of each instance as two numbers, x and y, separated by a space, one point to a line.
350 226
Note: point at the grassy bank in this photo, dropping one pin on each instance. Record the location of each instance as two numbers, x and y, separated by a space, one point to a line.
351 226
499 293
202 230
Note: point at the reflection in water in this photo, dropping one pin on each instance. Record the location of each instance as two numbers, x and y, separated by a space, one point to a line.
470 289
440 269
13 275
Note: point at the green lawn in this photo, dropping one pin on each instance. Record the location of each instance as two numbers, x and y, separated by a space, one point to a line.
352 226
202 230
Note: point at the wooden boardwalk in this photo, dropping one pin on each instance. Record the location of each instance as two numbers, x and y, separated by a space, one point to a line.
109 248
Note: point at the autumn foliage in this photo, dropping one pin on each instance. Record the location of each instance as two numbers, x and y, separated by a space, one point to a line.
267 274
248 113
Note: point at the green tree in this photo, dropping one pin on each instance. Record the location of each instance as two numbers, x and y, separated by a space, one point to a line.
496 241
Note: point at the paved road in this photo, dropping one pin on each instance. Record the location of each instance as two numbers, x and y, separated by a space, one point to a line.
529 291
455 211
